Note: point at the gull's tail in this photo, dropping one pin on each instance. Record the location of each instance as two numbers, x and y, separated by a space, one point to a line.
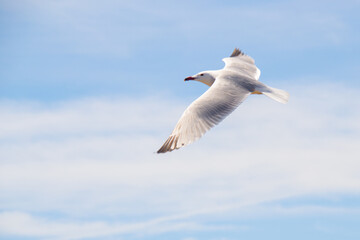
274 93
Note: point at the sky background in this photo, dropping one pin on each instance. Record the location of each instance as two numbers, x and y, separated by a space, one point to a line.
89 90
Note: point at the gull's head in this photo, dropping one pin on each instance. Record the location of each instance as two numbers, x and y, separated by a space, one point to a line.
204 77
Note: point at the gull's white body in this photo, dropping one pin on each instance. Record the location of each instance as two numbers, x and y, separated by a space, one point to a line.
228 89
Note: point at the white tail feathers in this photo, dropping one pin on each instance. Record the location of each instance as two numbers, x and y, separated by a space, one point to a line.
276 94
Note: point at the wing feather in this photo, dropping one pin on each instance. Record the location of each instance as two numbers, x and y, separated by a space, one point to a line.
221 99
242 64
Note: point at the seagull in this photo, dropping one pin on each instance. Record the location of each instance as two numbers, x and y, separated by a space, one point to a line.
228 89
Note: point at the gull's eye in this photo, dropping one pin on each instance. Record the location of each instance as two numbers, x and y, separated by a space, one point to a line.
202 74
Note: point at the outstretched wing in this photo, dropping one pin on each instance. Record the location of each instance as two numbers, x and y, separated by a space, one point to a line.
242 64
222 98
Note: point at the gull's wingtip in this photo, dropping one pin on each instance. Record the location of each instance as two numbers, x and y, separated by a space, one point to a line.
236 53
169 145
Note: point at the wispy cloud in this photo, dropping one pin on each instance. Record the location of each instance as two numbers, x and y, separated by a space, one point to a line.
118 27
21 224
95 158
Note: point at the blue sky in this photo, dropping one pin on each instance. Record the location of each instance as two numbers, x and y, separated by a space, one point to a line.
89 90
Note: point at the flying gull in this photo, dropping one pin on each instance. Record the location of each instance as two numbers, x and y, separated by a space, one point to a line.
228 89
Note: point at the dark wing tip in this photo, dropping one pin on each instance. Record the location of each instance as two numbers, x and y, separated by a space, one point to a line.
236 53
164 149
169 145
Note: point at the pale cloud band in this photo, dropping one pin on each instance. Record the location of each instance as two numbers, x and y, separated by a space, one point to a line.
95 158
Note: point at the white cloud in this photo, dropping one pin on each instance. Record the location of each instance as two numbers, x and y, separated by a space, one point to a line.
17 223
94 159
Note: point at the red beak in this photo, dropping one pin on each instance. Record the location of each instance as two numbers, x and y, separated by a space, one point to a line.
189 78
